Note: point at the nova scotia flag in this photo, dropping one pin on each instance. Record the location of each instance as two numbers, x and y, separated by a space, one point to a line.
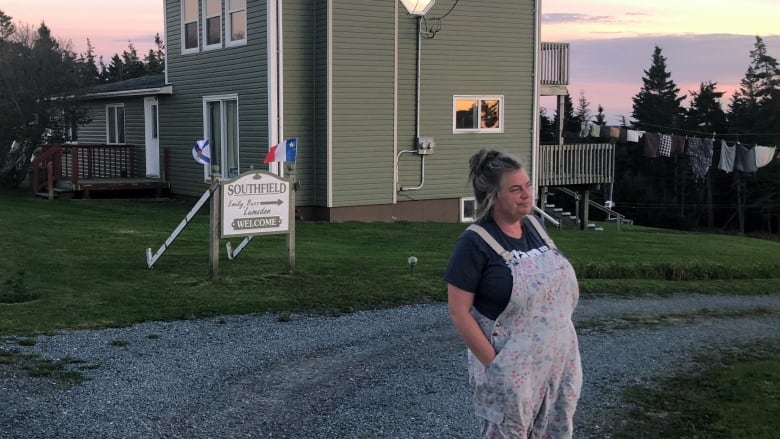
283 152
201 152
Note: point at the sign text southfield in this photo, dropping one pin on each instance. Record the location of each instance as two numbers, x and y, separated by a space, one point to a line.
255 203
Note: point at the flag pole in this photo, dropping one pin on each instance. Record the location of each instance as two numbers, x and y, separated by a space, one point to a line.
214 224
291 219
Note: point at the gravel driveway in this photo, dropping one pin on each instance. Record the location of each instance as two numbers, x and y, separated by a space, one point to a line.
397 373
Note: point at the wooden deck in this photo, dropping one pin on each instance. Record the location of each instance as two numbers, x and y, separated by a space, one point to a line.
82 170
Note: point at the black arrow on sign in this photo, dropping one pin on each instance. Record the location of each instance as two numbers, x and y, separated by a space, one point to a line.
277 202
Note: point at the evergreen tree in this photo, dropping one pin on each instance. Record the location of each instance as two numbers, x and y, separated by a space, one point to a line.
571 126
705 112
755 107
583 115
547 128
155 59
657 104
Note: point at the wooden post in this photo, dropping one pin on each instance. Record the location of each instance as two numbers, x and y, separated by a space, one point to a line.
214 224
50 180
291 218
584 201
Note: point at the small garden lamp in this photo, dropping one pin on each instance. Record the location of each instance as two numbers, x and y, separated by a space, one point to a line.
412 262
418 7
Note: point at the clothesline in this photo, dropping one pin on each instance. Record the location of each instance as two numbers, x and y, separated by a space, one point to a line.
708 133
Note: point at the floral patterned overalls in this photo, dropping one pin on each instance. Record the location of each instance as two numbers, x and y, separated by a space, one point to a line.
531 388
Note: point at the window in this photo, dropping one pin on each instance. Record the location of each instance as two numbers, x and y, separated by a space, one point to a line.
223 24
235 22
221 130
468 210
115 123
478 114
189 25
212 23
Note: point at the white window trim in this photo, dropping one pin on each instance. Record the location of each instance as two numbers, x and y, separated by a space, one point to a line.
222 158
206 29
195 49
479 98
463 217
116 124
229 31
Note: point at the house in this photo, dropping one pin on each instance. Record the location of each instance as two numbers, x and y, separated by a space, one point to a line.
387 104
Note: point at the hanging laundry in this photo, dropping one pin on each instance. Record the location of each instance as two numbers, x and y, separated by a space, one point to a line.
727 153
700 151
665 147
764 155
605 132
632 136
584 129
651 142
745 159
678 144
614 132
595 130
623 135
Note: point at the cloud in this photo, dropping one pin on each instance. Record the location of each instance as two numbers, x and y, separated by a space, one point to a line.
563 18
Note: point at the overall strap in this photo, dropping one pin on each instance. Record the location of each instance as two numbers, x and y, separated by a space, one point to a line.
491 241
541 231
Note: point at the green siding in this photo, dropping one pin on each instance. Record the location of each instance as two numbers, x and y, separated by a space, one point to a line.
479 51
362 81
303 86
239 70
95 131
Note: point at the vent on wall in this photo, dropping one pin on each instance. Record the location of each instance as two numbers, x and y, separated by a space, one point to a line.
468 210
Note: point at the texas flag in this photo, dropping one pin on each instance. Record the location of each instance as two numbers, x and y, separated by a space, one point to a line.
283 152
201 152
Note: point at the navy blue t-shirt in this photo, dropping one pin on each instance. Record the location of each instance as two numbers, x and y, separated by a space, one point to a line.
478 269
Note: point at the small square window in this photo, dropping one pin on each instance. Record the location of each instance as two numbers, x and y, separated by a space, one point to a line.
478 114
468 210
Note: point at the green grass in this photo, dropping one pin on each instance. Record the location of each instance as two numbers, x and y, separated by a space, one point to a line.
736 394
82 264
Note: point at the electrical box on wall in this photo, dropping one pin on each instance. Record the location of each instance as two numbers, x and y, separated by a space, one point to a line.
425 145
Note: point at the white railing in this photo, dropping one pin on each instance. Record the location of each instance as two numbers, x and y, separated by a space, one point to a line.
585 163
554 64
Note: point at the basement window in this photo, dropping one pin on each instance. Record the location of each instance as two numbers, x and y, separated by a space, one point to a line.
468 210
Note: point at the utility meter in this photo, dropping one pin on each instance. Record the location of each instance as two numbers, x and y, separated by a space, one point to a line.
425 145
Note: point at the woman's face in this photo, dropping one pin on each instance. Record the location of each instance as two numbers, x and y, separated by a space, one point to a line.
515 198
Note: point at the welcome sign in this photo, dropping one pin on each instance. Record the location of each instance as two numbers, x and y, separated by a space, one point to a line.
255 203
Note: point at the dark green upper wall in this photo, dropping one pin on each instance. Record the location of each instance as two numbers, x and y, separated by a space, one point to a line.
239 70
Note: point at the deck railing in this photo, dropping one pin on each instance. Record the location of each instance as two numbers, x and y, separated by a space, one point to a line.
586 163
554 64
83 161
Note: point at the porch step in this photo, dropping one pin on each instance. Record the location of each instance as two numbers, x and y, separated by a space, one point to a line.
57 192
593 227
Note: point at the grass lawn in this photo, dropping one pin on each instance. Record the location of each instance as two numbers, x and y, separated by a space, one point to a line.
82 264
736 394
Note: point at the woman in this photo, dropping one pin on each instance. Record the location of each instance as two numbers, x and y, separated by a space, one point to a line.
511 295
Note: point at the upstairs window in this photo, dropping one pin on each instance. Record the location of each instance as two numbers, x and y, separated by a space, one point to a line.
235 22
212 23
189 25
478 114
115 124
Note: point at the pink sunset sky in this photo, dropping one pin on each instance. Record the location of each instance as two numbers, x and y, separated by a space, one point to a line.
611 41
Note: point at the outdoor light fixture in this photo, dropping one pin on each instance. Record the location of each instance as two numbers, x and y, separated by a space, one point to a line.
412 262
418 7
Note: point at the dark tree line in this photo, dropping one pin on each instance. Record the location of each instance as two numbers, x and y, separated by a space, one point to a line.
663 191
40 80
